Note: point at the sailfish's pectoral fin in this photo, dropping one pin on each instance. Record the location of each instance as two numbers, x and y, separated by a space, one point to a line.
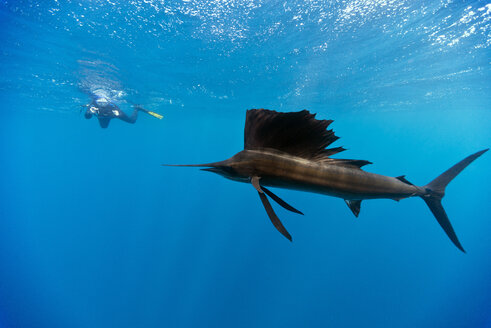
255 183
280 201
354 206
269 209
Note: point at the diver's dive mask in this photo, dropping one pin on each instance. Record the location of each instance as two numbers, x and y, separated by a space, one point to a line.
101 101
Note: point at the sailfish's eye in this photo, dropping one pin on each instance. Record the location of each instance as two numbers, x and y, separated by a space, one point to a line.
227 170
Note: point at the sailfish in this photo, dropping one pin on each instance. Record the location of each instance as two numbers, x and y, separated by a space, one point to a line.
289 150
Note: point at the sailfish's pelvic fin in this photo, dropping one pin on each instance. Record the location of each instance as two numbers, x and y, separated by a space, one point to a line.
272 216
280 201
269 209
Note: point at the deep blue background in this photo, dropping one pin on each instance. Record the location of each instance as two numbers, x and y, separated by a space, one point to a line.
95 233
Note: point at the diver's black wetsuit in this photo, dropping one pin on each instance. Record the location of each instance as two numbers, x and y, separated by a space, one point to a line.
105 111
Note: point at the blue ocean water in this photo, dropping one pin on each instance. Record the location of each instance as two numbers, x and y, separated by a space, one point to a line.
94 232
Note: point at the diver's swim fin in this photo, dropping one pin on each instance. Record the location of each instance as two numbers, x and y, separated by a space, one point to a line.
140 108
155 115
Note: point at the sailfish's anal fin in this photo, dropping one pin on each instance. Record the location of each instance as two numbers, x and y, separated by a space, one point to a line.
354 206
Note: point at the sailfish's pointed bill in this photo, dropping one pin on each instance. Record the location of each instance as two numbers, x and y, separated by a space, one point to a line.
280 201
272 216
211 169
214 164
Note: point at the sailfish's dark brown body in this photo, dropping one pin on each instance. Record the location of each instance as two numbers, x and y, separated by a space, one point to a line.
291 172
288 150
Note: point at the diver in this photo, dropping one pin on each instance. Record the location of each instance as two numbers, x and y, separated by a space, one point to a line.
105 110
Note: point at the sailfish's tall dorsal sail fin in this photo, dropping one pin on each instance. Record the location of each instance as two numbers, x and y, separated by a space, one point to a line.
296 133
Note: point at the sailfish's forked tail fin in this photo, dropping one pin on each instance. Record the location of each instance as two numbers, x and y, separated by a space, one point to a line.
435 190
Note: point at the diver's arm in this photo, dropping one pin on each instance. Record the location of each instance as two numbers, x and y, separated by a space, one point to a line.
82 107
